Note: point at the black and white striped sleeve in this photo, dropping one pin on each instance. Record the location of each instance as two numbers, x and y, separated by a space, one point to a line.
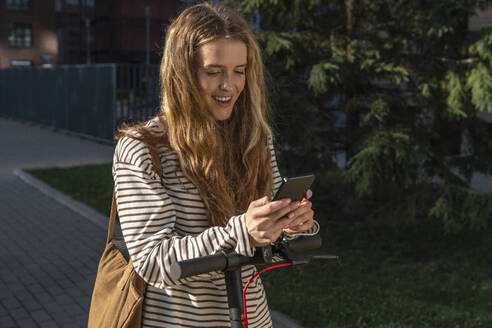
148 217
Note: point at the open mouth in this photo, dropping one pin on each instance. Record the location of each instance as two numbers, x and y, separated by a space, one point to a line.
223 101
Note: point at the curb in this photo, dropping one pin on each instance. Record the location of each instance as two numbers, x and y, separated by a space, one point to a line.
279 319
78 207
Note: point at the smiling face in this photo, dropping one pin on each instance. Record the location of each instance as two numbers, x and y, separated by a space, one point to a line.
221 75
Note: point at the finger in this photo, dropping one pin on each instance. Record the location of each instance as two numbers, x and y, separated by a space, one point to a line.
260 201
293 230
303 208
300 227
283 223
275 216
277 235
269 208
286 211
309 194
301 219
305 226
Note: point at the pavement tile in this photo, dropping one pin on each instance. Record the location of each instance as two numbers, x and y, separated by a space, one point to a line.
73 325
55 290
27 278
75 292
6 321
36 288
16 287
47 283
84 302
41 316
64 299
22 294
10 303
63 319
27 323
65 283
3 311
49 324
73 309
82 319
51 306
76 277
43 297
19 313
10 278
31 305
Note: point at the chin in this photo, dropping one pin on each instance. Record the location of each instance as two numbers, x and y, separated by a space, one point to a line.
222 115
222 118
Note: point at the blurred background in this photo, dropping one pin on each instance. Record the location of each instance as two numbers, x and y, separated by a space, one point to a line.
388 102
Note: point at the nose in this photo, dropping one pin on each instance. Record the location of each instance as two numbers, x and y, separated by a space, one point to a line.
225 83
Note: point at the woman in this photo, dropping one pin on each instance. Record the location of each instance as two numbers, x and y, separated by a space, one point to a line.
219 169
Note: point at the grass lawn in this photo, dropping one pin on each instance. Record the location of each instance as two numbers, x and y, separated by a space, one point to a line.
409 276
90 184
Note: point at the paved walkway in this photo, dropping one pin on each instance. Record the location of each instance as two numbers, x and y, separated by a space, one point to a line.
49 256
49 252
29 146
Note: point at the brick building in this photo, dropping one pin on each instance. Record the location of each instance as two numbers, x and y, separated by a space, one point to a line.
125 28
27 33
37 32
74 30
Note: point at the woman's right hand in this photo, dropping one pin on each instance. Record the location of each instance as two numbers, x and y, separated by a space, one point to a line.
266 220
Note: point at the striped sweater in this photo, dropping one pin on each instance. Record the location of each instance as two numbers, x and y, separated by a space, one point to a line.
165 221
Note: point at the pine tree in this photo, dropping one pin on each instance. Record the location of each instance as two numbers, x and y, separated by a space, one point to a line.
410 80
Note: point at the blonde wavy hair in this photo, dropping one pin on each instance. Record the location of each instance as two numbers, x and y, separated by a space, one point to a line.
228 161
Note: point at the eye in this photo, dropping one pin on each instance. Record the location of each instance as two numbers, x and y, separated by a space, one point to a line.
212 73
240 72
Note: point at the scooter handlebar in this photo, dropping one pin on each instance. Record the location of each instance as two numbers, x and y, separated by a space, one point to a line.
193 267
223 261
304 243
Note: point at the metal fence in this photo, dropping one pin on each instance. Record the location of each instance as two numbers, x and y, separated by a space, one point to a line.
89 100
137 92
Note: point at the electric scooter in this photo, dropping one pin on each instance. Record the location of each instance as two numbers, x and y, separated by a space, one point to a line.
289 251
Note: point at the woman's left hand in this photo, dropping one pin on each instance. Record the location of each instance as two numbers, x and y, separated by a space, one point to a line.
303 216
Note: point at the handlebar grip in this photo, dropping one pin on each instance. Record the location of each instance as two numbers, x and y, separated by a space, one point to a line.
305 243
193 267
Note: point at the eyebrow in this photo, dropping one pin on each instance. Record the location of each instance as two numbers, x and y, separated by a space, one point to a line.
221 66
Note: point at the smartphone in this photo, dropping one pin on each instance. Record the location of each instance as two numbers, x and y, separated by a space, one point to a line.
294 187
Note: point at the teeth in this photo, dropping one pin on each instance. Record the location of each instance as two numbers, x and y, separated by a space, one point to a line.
224 99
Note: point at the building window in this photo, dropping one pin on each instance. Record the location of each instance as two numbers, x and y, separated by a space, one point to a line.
20 35
19 4
73 2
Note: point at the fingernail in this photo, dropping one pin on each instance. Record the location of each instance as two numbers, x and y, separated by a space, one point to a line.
291 215
297 204
287 201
